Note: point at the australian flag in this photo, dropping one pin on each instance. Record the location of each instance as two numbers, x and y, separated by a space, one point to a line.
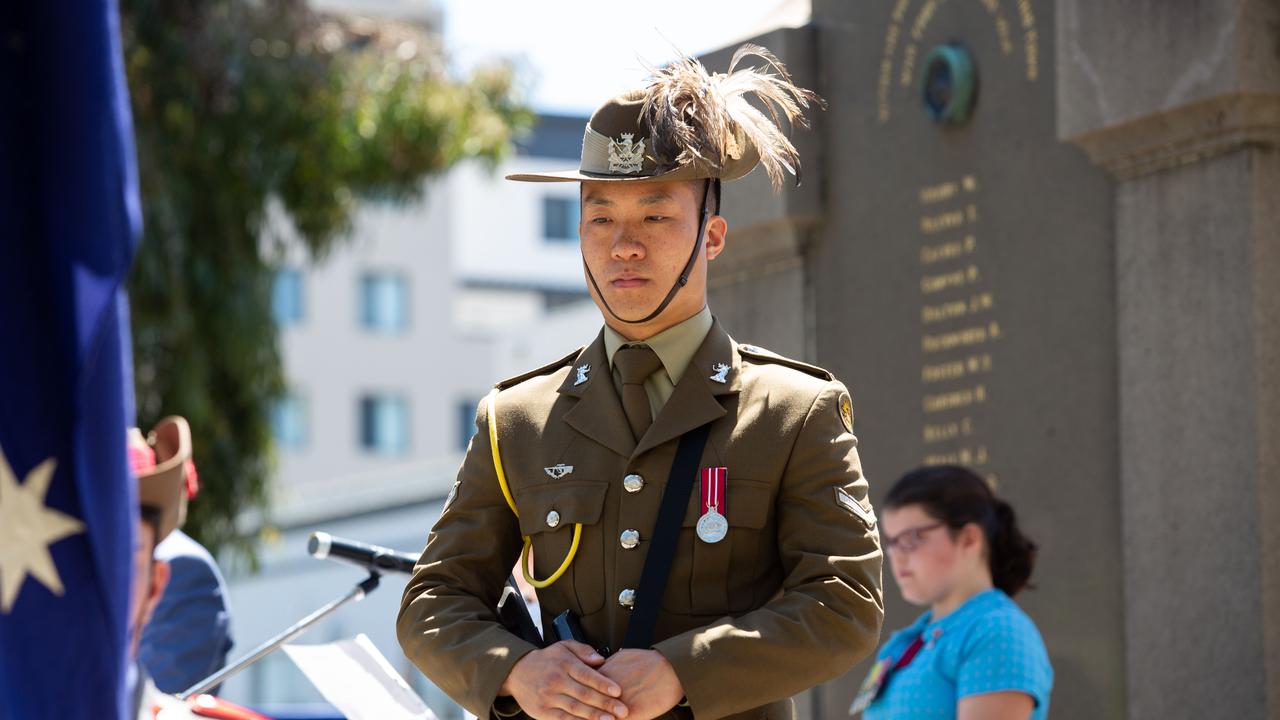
69 221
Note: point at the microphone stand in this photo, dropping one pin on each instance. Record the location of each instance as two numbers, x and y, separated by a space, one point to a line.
357 593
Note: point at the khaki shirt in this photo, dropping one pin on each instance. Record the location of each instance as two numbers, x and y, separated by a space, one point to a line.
789 599
674 346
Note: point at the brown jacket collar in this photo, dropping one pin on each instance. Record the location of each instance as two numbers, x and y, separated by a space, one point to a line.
695 400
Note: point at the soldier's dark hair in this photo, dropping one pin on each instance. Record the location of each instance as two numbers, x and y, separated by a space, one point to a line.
712 190
957 496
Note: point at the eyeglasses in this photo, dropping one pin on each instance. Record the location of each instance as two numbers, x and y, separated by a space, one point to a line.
910 539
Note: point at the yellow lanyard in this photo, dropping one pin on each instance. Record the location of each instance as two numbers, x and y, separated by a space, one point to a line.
506 493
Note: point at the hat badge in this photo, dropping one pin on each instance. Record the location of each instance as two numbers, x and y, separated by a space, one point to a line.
626 156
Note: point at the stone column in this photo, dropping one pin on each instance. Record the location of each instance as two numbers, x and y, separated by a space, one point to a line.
1180 102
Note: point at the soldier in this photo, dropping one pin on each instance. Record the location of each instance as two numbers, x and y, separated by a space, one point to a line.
771 582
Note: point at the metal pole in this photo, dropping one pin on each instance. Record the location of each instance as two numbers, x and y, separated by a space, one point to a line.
356 594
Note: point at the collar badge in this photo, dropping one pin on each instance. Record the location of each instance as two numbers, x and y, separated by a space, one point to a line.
720 371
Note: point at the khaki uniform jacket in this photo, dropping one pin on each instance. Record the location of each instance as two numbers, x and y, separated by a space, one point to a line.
789 599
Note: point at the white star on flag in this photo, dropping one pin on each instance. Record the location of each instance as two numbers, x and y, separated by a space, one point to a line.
27 528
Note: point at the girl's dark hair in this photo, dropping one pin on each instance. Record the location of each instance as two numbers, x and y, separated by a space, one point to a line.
957 496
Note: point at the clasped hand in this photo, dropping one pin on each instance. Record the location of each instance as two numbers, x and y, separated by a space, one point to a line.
571 681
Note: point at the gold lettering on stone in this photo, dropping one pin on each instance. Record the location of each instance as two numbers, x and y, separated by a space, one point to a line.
886 70
955 399
930 284
967 337
930 224
949 250
940 372
956 369
941 432
938 193
1026 14
923 18
1030 39
944 311
963 456
907 76
975 364
1003 34
959 359
981 302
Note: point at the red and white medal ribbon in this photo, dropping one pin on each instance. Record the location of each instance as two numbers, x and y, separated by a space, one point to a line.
712 525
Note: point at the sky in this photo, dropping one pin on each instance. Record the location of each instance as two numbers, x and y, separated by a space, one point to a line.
578 53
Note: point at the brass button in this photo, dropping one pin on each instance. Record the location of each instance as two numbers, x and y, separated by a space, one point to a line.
553 518
629 539
627 598
632 483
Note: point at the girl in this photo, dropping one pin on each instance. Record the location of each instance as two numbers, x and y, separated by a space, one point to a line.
956 549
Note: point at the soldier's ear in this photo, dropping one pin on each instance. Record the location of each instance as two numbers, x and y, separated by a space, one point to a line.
717 233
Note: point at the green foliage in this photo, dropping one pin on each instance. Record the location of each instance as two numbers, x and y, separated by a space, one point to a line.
238 104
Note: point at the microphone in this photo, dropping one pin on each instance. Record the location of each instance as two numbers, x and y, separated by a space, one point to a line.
370 557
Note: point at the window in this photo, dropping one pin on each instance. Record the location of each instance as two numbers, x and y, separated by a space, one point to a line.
286 297
560 219
384 302
289 421
384 424
466 422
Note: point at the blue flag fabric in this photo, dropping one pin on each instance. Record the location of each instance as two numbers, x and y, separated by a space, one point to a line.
69 222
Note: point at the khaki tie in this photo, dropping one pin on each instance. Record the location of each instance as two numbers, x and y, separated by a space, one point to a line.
635 363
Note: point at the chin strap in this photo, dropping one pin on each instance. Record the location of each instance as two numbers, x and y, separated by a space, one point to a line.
712 188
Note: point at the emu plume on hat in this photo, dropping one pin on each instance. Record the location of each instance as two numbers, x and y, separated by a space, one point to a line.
161 461
688 124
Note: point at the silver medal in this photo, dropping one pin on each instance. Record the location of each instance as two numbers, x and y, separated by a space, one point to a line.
712 527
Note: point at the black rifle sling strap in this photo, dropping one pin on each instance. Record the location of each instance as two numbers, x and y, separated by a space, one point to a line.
666 533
